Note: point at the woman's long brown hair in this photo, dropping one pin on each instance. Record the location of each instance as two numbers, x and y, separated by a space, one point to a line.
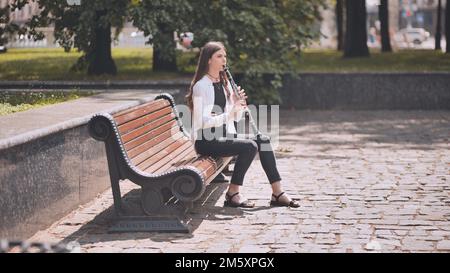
202 68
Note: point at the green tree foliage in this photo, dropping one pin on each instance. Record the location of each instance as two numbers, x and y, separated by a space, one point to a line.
8 28
4 24
260 37
86 27
160 19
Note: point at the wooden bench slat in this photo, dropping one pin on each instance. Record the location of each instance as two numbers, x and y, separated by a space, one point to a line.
205 164
160 154
188 159
152 138
212 169
152 147
149 140
139 111
123 112
176 160
199 160
210 165
139 122
148 127
170 156
202 164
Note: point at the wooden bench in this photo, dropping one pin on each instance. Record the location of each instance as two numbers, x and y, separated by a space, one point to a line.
149 146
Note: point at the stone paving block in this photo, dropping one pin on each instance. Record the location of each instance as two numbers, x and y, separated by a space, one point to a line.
385 242
103 249
413 244
125 244
417 232
313 229
326 239
143 250
377 222
254 249
443 245
415 223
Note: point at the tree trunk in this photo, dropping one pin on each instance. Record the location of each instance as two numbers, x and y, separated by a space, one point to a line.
447 26
100 58
4 19
383 13
164 55
437 36
340 24
356 32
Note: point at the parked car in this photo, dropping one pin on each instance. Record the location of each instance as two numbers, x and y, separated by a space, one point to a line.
2 49
186 39
412 35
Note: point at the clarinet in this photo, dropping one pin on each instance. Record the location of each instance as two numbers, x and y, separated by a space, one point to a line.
226 69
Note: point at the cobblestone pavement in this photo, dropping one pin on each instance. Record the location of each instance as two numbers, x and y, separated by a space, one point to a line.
366 180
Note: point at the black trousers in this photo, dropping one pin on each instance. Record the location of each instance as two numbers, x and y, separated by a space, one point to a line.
245 149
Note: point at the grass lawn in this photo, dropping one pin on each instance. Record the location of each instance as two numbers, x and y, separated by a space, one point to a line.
135 63
401 61
54 64
12 102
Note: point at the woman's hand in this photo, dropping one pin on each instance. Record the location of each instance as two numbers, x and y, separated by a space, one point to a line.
239 101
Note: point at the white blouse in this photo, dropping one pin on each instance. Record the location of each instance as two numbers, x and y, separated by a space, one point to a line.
203 101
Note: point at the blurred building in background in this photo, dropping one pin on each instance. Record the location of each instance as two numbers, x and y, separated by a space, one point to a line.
407 14
20 17
412 23
129 36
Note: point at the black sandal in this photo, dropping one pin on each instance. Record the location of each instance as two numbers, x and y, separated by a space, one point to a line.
276 203
229 202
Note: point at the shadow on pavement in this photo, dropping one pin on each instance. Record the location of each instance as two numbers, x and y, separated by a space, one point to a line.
326 134
96 230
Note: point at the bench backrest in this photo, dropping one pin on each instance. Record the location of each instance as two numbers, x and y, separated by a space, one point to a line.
152 137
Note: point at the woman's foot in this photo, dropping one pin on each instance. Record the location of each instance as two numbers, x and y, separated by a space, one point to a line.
282 200
236 200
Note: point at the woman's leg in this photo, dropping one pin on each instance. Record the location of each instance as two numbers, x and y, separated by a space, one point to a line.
269 165
267 158
245 149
